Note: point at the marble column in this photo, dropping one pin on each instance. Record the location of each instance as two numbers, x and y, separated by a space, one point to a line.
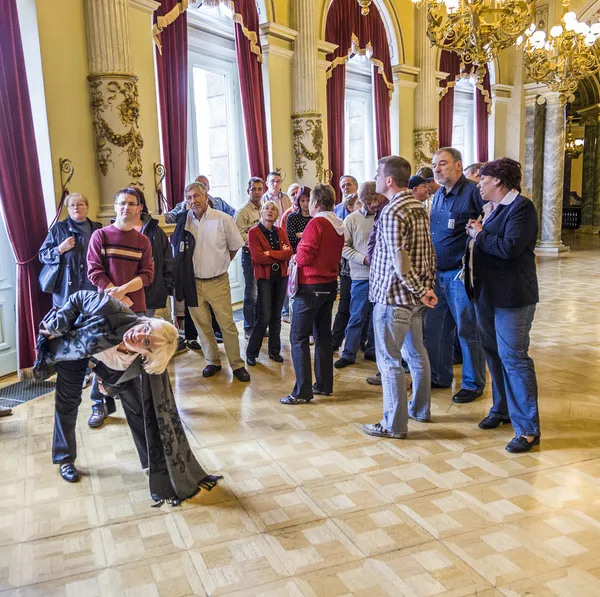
114 99
426 95
554 168
309 158
535 114
590 148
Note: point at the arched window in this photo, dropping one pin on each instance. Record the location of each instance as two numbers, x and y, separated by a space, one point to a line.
464 134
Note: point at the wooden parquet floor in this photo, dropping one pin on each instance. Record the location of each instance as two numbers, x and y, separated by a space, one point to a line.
312 507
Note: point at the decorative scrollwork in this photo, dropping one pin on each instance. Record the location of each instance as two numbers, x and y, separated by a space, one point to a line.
128 111
66 174
312 127
426 144
159 175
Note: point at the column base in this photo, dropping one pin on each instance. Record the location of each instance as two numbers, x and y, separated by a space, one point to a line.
588 230
551 248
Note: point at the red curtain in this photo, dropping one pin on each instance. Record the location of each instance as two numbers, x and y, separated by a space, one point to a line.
344 20
172 70
251 87
20 183
449 63
481 108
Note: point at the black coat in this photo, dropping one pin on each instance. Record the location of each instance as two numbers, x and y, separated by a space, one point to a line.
184 244
73 264
164 274
503 256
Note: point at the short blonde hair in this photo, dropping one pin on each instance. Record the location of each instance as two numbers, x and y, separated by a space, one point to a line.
270 204
77 196
164 338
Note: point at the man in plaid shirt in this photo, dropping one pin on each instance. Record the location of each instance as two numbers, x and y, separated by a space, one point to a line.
401 282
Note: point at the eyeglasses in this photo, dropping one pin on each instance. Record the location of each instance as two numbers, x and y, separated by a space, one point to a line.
77 205
147 342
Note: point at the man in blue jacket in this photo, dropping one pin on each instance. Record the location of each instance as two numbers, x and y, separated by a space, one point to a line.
455 203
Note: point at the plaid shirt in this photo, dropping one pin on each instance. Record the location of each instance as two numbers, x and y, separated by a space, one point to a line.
403 242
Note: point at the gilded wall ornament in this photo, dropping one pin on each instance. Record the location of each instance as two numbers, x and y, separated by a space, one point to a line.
127 112
426 144
309 127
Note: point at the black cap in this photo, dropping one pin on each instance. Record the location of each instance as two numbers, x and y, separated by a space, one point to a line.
415 181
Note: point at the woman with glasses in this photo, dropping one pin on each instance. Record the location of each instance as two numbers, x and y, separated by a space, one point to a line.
130 355
270 250
298 220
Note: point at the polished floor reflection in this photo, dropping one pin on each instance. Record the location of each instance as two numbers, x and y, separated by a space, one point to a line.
312 507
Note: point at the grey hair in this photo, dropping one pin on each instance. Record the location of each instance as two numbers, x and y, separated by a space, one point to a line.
474 167
165 338
195 185
348 176
456 155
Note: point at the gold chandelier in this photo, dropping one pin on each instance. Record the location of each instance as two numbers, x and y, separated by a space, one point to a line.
364 6
565 57
476 29
573 147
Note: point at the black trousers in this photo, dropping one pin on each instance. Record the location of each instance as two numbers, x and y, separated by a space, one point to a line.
271 294
313 305
67 400
342 317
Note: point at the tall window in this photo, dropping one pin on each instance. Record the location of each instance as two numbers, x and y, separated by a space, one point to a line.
216 137
464 135
359 142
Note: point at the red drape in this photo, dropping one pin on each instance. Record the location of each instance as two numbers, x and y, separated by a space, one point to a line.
253 96
172 70
20 182
449 63
481 107
345 21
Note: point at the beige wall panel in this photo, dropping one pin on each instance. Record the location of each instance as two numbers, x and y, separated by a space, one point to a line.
64 62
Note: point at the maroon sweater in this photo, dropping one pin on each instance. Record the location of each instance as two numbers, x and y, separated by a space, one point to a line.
319 253
117 257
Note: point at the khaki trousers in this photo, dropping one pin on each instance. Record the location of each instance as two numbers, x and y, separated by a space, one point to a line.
216 294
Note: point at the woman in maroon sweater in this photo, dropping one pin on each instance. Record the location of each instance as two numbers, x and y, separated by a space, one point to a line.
318 255
270 250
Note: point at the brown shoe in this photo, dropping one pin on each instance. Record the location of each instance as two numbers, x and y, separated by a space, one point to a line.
5 411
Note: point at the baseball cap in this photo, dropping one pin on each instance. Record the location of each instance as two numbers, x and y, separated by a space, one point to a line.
415 181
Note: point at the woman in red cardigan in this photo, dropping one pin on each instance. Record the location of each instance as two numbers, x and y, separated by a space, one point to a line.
270 249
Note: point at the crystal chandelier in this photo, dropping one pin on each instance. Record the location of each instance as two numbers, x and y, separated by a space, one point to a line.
563 58
364 6
476 29
573 147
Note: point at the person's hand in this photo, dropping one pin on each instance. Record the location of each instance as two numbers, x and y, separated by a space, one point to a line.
298 234
267 253
101 387
127 301
366 260
66 245
474 227
429 299
44 331
116 292
285 247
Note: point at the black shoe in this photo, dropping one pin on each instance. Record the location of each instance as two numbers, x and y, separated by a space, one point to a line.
341 363
251 361
465 396
5 411
276 357
375 380
318 392
210 370
193 344
336 348
293 401
370 357
97 417
242 374
219 338
69 473
492 422
181 346
437 386
519 444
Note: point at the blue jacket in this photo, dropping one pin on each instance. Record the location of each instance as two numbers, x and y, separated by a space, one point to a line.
73 264
184 244
503 256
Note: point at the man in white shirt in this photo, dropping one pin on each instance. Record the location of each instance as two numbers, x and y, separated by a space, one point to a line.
205 241
275 194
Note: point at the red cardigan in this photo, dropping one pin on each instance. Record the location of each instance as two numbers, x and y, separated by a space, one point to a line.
319 253
258 244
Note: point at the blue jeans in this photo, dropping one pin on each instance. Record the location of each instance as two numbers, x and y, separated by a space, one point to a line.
360 309
313 304
399 333
505 338
250 291
454 314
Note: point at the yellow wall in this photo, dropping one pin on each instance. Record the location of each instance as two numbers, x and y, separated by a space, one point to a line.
64 63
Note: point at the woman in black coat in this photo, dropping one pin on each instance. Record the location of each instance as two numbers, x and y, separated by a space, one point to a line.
505 288
66 246
131 355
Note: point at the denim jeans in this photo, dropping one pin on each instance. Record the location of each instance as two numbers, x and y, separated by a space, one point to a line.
454 314
360 309
250 291
399 333
343 313
505 337
271 293
313 304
